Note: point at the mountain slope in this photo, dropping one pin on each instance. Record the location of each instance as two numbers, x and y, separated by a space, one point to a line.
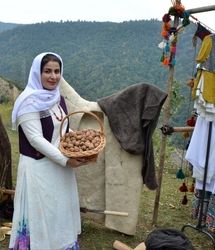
99 58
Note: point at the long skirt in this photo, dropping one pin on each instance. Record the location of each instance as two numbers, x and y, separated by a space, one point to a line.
46 207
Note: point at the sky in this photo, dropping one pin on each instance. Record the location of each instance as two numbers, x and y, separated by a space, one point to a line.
29 12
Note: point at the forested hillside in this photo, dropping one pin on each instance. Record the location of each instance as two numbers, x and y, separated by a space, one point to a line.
99 57
7 26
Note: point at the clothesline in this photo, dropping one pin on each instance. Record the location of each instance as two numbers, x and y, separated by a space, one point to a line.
206 26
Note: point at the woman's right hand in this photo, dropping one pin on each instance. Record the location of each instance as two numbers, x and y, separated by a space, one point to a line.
76 162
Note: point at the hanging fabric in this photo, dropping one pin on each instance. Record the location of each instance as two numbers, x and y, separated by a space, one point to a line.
199 153
201 31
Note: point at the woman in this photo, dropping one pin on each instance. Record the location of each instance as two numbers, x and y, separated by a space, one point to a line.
46 206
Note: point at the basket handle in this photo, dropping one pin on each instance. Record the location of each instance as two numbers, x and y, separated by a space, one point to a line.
86 112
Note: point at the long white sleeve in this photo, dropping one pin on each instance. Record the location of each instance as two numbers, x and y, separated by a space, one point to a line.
32 129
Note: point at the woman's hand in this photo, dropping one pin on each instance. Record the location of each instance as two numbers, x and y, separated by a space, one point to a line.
77 162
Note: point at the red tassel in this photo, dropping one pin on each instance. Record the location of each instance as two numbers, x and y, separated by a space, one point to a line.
183 188
166 18
192 121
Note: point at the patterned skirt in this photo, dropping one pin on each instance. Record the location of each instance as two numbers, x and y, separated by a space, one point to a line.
208 210
197 203
210 219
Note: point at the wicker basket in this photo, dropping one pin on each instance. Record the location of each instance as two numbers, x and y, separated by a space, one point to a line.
86 153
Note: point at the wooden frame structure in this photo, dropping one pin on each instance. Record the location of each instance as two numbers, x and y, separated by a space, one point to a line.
166 117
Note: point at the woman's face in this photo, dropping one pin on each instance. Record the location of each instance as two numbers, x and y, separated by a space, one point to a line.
51 75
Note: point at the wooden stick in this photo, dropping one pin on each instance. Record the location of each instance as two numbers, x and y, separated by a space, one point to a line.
141 246
121 246
115 213
7 191
168 130
183 129
107 212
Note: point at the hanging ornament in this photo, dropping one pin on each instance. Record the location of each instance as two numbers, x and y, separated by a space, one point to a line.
171 37
186 134
183 187
177 9
167 48
166 61
166 18
172 62
191 121
162 58
192 187
173 49
185 20
185 200
169 33
180 174
162 45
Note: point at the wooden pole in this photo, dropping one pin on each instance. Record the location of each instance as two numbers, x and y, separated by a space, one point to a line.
166 116
201 9
168 130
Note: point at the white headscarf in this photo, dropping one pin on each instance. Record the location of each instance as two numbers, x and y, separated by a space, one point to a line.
35 98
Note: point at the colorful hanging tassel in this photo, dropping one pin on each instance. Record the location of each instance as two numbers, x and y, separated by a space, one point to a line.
185 200
167 48
162 57
186 134
183 187
162 45
177 9
166 61
164 34
185 20
180 174
166 18
172 63
192 121
173 50
192 188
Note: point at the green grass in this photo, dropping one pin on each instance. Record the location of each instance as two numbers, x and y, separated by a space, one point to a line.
171 211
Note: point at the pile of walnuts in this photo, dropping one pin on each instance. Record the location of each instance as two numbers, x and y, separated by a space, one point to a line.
80 141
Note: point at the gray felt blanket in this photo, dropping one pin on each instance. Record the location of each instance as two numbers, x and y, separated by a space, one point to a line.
133 115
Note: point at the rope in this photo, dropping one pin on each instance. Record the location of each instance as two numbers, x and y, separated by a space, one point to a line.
206 26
